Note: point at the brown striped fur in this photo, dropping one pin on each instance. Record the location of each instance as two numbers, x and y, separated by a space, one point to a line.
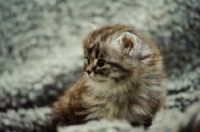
123 79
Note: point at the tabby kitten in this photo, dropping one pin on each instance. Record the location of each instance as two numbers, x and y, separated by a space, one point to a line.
123 80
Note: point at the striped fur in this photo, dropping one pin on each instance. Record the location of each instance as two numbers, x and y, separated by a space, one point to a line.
123 79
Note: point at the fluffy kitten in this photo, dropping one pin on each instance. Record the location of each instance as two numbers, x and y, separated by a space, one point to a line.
123 79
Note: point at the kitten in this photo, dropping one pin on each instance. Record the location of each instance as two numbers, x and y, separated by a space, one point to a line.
123 80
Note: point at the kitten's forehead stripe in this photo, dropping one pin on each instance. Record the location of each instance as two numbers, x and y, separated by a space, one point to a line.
97 50
94 50
101 55
90 50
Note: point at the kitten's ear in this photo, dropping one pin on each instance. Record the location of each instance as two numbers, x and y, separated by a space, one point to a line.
127 42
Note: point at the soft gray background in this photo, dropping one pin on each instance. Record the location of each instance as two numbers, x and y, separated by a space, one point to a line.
41 54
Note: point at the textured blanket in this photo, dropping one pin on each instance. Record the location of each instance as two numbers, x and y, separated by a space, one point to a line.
41 55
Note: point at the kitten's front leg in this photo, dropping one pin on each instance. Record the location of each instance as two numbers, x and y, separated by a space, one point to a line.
52 123
64 119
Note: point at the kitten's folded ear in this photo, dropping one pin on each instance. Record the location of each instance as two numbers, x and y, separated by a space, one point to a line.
127 42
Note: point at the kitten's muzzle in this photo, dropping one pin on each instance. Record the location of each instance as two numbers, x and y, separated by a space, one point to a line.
89 71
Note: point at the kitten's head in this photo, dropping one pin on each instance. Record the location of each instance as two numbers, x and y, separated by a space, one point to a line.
117 53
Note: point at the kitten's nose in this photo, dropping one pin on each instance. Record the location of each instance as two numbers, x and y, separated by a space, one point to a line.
88 72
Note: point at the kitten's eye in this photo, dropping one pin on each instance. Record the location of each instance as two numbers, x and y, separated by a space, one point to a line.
101 63
88 61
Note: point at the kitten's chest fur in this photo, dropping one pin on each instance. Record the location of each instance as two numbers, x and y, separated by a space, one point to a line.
116 101
108 102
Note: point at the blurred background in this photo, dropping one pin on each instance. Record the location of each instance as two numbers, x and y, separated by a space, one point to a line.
41 51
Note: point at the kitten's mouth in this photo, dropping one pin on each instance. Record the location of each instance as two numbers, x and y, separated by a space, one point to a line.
97 79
